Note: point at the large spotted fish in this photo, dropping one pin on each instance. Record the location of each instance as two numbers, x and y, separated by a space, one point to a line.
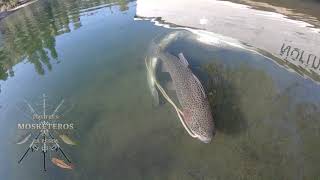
195 113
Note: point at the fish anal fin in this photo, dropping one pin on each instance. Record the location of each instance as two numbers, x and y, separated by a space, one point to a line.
183 60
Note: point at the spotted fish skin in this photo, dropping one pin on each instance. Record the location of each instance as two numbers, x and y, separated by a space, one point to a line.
191 96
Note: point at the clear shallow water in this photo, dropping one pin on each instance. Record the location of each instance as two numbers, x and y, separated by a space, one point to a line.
92 55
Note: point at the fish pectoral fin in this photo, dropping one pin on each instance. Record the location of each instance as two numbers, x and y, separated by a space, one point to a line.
183 60
200 86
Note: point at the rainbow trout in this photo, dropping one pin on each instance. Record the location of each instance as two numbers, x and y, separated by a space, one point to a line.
195 113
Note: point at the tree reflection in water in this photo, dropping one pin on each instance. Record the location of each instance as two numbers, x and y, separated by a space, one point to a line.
30 35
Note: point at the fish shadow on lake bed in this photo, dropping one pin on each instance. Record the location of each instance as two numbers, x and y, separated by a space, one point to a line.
223 98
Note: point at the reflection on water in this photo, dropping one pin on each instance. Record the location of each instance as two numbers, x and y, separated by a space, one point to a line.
300 9
225 22
31 34
305 10
267 117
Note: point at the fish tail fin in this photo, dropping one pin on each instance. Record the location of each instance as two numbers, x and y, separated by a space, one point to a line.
168 39
161 42
151 66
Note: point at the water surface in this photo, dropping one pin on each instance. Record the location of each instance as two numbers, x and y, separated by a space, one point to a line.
91 53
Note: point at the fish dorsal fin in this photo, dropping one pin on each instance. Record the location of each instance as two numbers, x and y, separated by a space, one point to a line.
185 62
200 86
183 59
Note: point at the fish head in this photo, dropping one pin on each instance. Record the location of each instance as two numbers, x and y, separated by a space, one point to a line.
200 123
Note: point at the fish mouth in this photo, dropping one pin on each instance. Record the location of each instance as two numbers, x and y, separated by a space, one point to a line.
185 125
204 139
192 133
